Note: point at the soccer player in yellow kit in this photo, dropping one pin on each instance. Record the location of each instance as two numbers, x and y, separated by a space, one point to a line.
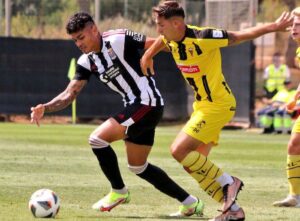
196 51
293 155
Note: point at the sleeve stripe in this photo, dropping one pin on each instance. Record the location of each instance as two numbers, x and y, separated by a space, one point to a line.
82 73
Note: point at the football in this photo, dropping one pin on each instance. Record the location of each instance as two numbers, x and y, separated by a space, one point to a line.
44 203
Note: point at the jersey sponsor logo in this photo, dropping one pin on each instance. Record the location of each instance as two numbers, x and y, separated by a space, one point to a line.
104 78
110 74
217 34
190 69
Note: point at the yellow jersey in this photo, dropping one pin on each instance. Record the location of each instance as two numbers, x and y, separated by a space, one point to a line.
198 57
298 56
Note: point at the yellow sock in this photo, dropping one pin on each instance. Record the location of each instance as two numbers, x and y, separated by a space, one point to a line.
205 173
293 173
196 162
210 186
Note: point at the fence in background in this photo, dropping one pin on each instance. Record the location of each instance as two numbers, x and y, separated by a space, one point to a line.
34 71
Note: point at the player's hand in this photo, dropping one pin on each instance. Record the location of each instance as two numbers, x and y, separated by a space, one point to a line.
147 63
284 22
37 113
290 106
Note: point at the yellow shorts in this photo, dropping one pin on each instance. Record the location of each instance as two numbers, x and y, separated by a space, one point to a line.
209 118
296 127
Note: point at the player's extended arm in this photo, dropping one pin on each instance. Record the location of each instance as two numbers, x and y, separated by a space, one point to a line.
291 104
147 59
60 102
149 42
281 24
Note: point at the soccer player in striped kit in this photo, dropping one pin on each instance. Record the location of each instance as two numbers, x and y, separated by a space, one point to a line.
196 51
113 57
293 148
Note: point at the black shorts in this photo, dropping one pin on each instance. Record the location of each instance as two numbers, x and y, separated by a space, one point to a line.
140 121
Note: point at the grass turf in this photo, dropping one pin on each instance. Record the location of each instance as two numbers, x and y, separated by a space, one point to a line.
58 157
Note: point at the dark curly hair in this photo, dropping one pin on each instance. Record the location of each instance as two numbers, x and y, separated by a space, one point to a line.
168 9
78 21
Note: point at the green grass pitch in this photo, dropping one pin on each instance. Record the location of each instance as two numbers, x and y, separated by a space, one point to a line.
59 157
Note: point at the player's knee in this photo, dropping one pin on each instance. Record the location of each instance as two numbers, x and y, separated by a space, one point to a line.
176 151
294 147
96 142
138 169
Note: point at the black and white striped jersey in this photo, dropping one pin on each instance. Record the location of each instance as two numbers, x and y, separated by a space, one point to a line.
117 65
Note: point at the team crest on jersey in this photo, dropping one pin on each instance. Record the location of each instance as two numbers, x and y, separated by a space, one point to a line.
111 53
191 51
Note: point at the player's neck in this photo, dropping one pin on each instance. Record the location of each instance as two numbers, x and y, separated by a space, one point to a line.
99 43
180 33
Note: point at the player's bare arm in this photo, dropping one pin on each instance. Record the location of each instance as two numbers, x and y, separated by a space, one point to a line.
281 24
66 97
149 41
147 59
292 103
59 102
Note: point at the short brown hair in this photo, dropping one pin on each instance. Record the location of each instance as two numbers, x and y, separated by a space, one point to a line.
168 9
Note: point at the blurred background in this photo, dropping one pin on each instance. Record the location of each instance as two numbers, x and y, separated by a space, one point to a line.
35 52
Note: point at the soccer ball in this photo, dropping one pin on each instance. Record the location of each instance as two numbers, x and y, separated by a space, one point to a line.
44 203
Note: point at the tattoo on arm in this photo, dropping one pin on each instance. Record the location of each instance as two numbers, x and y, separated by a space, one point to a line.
65 98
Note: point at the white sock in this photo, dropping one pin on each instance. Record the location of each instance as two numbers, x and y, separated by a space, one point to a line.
124 190
189 200
297 197
235 207
225 179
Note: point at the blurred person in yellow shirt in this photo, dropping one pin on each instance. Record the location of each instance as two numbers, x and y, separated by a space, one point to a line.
275 75
293 147
271 117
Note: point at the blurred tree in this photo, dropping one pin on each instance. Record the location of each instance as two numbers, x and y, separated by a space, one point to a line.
270 10
140 11
84 5
42 10
290 3
136 10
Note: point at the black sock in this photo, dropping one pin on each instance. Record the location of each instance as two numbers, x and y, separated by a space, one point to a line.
161 181
109 164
